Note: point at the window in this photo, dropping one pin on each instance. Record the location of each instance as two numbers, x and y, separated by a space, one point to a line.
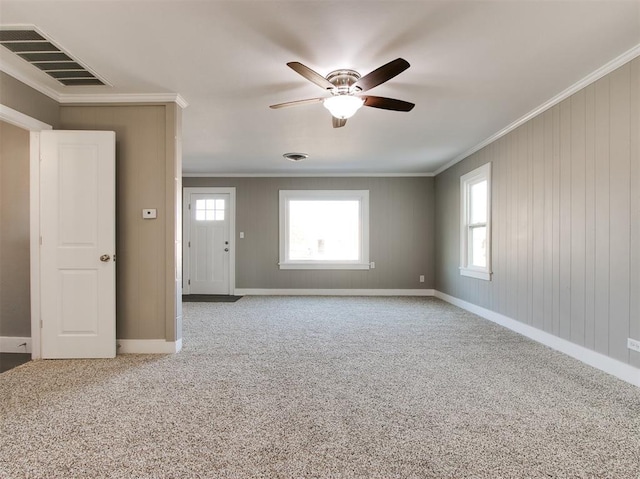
209 210
475 223
324 229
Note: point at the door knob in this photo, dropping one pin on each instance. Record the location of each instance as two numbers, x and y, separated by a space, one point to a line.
105 258
226 249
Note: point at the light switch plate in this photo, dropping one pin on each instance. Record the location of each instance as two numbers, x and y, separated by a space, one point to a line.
149 213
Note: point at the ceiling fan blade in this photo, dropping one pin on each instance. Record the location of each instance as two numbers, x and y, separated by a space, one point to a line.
338 122
297 103
387 103
382 74
310 75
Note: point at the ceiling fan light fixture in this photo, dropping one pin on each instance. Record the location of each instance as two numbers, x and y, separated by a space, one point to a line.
343 106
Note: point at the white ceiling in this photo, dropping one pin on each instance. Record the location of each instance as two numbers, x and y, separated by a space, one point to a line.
476 67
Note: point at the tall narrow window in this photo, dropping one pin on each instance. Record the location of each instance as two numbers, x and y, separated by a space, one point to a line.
326 229
475 223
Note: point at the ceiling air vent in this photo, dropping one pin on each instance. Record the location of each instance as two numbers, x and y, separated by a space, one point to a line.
295 156
33 47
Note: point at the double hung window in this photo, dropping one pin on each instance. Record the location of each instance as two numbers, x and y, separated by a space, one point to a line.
475 224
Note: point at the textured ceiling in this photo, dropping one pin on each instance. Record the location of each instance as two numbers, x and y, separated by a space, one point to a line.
476 67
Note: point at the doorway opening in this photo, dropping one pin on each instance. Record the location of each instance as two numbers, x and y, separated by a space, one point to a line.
31 343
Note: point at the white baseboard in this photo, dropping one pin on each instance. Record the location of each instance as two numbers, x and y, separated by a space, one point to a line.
12 344
333 292
592 358
148 346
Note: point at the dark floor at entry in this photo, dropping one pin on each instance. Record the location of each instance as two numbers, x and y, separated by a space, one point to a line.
210 298
11 360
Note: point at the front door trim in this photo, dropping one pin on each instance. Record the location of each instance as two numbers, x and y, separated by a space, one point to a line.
186 231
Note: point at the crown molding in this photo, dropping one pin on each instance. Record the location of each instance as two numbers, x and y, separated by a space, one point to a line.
563 95
305 175
76 98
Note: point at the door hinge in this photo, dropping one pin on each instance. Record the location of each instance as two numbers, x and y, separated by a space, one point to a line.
40 240
189 282
188 244
189 205
40 324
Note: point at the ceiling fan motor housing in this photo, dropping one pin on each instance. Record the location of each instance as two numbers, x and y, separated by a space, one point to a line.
343 80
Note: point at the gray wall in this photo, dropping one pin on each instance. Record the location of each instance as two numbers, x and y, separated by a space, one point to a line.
566 219
147 176
15 315
401 233
25 99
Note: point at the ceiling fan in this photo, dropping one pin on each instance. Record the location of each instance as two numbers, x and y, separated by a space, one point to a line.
345 86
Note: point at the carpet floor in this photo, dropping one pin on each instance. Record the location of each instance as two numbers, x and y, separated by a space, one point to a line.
323 387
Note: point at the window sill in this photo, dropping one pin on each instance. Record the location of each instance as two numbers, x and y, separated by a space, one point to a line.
472 273
323 265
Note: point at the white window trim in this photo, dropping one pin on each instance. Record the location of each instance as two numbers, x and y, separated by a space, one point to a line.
360 195
466 181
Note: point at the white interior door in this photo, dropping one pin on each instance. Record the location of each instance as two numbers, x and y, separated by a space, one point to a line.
77 253
209 243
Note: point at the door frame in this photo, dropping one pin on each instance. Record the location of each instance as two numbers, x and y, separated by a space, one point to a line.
186 233
34 127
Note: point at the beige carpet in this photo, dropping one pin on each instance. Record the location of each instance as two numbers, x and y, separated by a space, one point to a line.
323 387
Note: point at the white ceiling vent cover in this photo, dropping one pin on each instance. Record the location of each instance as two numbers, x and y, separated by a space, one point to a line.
32 46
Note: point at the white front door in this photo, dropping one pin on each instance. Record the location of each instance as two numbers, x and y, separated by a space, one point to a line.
77 253
209 243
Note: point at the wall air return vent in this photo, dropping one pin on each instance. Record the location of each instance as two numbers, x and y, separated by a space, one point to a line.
33 47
